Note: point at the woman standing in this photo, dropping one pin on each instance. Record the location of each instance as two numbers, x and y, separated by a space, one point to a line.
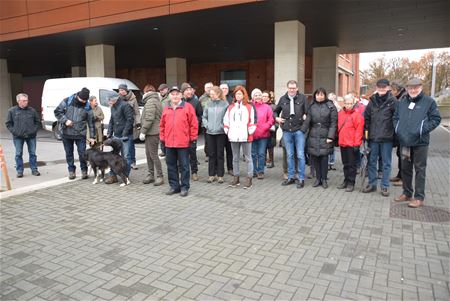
239 125
350 133
321 121
261 136
212 121
98 120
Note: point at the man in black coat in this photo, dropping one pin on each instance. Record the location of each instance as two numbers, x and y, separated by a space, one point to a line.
23 123
416 116
378 123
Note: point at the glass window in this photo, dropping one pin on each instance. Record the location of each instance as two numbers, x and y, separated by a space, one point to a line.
233 78
105 95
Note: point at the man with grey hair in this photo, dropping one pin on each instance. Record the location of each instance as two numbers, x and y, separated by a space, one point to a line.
23 123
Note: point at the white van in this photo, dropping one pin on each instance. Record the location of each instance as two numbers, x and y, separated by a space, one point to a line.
55 90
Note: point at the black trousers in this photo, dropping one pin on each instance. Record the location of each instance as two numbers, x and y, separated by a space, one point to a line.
399 157
229 154
216 147
419 155
321 167
193 158
349 156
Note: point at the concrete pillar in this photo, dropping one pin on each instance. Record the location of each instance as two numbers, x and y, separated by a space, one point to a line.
289 61
176 71
325 68
5 93
78 71
100 61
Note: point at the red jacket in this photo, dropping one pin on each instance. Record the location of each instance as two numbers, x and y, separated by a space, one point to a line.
179 126
350 133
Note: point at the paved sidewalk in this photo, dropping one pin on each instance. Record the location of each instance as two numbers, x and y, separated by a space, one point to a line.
79 241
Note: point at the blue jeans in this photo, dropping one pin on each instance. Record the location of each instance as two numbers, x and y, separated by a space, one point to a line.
81 148
18 145
383 149
132 150
290 139
125 152
259 147
177 160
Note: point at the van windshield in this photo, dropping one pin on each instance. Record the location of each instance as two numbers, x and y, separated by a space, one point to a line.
105 95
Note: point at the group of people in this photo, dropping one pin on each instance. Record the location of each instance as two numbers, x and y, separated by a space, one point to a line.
173 118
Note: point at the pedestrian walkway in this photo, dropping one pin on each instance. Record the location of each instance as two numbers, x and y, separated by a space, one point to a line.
79 241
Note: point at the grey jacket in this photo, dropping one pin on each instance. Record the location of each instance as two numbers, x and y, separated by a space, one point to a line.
22 123
212 119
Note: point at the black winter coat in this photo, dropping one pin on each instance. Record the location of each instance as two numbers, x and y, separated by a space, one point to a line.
22 123
75 111
291 123
378 117
122 119
321 121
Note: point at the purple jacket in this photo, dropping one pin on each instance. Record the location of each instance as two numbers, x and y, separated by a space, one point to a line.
265 121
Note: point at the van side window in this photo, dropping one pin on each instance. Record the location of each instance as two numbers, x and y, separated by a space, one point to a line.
105 95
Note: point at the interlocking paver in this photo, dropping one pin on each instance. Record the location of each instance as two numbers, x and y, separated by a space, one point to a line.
82 241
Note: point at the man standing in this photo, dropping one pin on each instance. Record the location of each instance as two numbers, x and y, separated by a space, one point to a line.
293 107
378 123
72 113
178 131
23 123
416 116
189 97
163 90
121 126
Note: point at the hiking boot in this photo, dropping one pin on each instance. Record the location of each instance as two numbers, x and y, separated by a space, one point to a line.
111 180
248 183
343 185
36 173
384 192
148 179
324 184
220 180
260 176
84 175
349 188
211 179
194 177
403 198
20 174
300 184
72 175
159 181
369 188
235 182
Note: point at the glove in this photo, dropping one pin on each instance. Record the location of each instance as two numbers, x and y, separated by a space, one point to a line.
142 137
138 126
193 144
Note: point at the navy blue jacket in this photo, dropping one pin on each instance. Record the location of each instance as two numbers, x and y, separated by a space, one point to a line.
122 119
413 126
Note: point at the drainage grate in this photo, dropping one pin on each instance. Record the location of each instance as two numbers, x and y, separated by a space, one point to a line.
426 214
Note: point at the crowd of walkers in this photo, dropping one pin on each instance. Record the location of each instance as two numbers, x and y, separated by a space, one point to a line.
174 117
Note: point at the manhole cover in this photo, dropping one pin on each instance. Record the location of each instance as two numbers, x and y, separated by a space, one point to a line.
426 214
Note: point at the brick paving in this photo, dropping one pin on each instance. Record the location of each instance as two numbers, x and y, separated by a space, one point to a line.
79 241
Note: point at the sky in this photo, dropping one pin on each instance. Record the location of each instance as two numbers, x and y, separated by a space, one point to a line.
367 57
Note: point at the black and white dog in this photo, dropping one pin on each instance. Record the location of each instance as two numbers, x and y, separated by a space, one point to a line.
100 160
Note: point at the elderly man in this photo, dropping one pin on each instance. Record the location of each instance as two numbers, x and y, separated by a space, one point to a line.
178 131
416 116
23 123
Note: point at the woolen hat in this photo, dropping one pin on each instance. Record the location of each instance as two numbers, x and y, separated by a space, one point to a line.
84 94
414 82
123 87
382 82
162 87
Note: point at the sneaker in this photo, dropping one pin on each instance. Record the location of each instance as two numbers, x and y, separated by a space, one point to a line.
111 180
149 179
134 166
36 173
72 175
159 181
194 177
184 193
172 191
349 188
84 175
220 180
369 188
403 198
20 174
384 192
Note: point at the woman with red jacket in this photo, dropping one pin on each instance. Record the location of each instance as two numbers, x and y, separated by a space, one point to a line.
350 132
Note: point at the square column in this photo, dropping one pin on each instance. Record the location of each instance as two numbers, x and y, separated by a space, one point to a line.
325 68
100 60
6 99
176 71
289 61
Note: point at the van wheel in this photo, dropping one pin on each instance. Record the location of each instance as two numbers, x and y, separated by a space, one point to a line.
57 133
